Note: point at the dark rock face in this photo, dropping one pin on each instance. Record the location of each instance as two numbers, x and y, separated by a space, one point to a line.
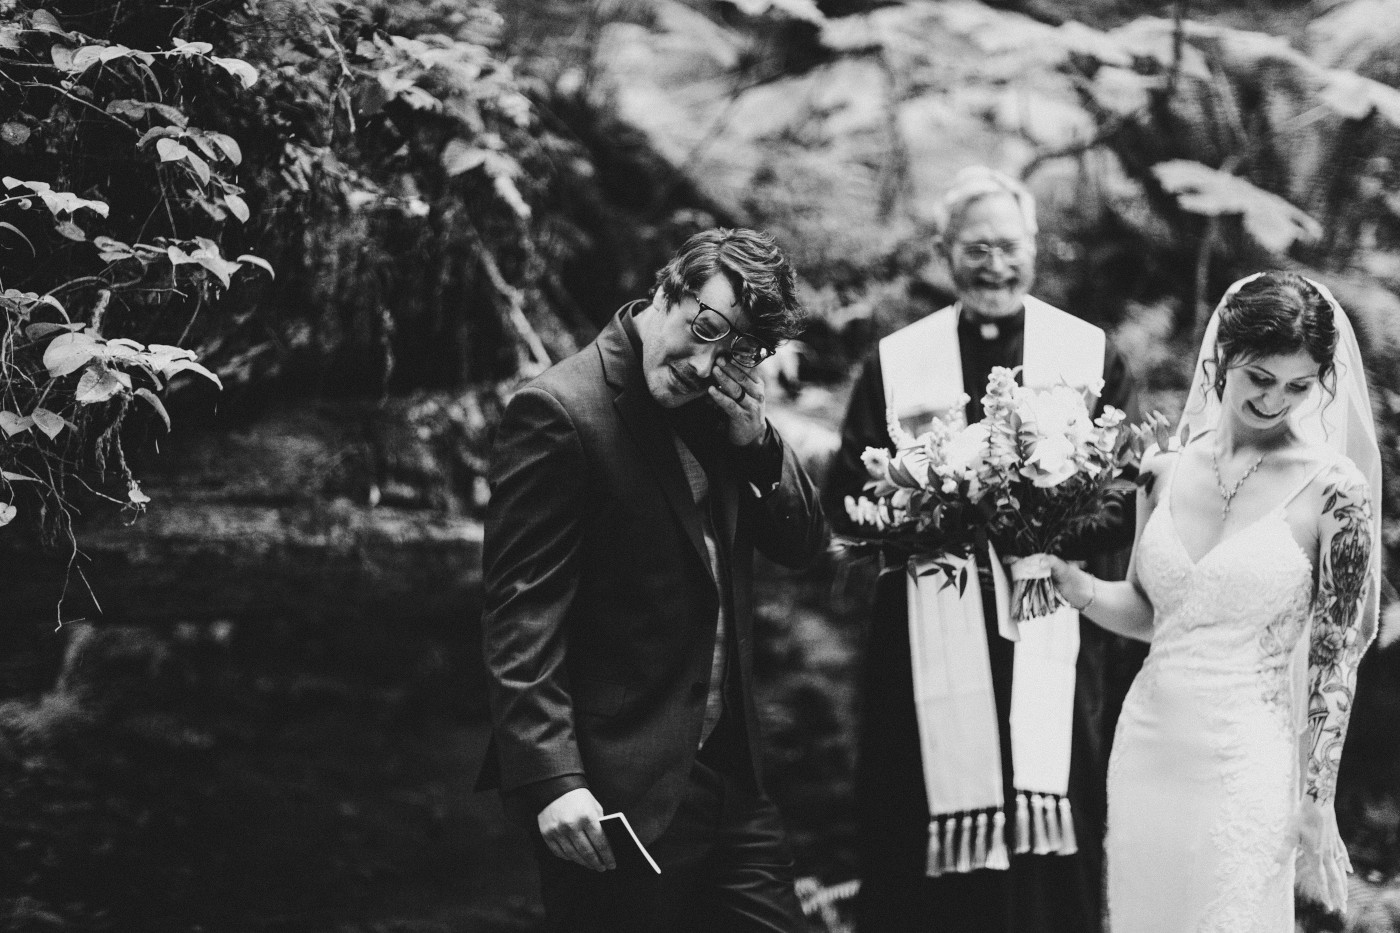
330 510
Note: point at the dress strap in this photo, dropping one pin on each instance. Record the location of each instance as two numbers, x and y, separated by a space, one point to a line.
1305 484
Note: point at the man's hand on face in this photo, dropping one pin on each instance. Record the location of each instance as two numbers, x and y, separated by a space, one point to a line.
739 394
570 827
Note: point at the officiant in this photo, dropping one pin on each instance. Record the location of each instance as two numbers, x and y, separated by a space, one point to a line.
983 747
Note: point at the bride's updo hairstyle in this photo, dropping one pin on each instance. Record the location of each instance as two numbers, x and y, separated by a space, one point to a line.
1276 314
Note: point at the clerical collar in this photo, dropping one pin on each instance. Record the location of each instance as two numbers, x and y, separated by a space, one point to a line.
990 329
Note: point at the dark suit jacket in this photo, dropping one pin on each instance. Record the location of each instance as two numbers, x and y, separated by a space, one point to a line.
600 607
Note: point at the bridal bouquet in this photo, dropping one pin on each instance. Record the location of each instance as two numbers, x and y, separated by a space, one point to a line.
924 500
1050 470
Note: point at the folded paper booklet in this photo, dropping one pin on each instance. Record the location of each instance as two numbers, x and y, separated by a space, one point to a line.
626 847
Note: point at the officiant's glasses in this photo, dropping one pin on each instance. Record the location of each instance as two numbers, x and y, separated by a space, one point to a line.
710 326
982 253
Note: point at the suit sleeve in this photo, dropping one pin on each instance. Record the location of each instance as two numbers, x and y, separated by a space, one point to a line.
788 523
789 527
531 566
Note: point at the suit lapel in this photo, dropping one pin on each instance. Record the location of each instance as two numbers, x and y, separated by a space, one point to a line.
640 417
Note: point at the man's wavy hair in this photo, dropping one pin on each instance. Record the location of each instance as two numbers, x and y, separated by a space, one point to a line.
762 278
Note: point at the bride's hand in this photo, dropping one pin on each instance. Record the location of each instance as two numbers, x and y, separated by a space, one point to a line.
1322 864
1075 585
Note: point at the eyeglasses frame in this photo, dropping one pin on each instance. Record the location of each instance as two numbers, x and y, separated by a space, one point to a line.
764 351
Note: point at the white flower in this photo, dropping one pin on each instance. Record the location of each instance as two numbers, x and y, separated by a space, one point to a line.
966 452
853 509
1051 463
1056 411
1111 417
877 462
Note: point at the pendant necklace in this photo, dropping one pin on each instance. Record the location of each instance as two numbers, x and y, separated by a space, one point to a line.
1229 494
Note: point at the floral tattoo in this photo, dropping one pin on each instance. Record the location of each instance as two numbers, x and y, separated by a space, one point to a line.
1336 645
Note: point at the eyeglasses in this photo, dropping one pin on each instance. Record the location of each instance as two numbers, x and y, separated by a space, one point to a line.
710 326
982 253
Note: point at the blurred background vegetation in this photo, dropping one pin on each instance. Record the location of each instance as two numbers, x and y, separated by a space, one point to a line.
263 707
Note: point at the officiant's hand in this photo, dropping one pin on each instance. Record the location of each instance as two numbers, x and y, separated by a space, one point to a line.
570 827
738 393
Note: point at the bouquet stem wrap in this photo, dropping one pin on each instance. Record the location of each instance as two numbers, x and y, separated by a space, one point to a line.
1033 593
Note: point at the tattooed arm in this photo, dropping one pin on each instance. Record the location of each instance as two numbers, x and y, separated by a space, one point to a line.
1344 552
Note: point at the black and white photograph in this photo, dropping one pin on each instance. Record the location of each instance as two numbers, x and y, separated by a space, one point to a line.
700 466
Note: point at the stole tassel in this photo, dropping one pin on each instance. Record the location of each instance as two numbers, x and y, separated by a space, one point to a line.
1071 842
965 846
979 844
996 855
1055 840
950 855
933 863
1023 825
1042 832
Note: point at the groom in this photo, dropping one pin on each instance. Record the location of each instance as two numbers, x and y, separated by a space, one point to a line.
631 484
968 824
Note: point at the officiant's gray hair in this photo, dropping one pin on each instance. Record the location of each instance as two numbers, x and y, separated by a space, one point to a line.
976 182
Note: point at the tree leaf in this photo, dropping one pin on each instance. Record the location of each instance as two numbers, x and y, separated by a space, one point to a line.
71 231
1274 223
110 250
222 268
62 57
70 352
48 422
158 132
191 48
134 493
41 330
240 69
13 424
89 55
44 21
140 108
154 401
201 168
258 261
7 513
460 156
18 477
179 366
170 150
238 207
17 232
97 384
232 151
162 353
14 133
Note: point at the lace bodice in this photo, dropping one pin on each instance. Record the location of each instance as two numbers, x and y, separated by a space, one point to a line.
1238 611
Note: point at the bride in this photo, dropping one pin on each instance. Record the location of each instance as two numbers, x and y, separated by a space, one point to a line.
1254 578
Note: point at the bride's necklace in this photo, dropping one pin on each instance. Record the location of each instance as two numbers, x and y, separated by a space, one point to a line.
1229 494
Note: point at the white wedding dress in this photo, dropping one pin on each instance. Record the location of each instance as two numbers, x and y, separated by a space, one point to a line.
1203 778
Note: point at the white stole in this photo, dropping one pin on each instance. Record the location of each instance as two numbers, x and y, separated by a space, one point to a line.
954 702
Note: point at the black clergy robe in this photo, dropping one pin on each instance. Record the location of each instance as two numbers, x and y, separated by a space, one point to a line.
1040 893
